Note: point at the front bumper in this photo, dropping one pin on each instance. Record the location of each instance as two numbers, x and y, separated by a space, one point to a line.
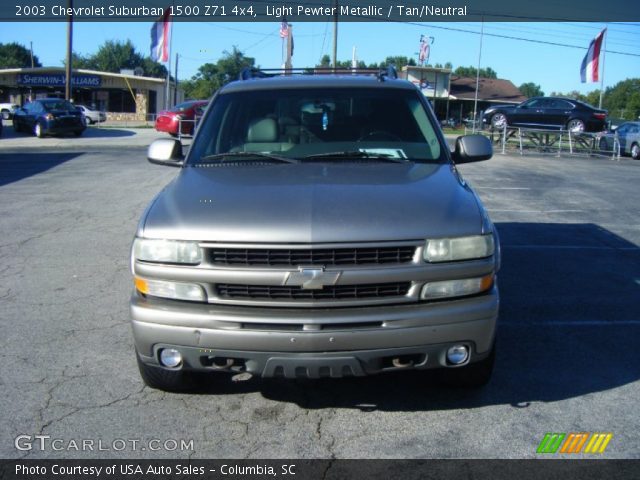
313 342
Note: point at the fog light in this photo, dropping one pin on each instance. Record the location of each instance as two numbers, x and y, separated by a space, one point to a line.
457 354
170 357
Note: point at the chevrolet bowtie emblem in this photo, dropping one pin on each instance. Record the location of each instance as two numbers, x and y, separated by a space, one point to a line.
311 278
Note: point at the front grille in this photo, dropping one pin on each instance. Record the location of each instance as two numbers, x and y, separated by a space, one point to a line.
316 256
338 292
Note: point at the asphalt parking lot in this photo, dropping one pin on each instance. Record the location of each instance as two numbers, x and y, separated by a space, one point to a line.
568 357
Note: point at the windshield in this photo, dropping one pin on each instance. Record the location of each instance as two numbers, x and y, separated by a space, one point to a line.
181 107
58 105
331 124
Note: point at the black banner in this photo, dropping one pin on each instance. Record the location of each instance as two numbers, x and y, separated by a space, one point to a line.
320 10
320 469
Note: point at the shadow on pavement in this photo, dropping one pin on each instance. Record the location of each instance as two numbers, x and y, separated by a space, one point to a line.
569 324
17 166
97 132
9 133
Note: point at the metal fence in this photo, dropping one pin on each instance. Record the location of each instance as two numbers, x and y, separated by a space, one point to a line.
557 142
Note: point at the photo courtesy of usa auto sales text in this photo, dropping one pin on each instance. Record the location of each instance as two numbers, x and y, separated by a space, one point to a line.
95 471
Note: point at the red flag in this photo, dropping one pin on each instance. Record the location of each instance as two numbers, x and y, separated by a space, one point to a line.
160 32
589 71
284 29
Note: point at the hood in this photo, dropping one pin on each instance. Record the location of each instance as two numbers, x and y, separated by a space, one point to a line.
313 203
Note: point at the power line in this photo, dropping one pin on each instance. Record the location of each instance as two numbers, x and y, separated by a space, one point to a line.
510 37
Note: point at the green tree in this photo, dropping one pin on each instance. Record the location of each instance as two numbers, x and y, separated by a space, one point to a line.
398 61
623 99
473 71
113 55
325 61
531 89
14 55
211 76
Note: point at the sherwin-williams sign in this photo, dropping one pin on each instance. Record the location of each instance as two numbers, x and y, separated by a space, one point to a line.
57 80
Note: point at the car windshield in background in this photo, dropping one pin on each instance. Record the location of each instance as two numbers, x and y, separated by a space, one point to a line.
330 124
58 105
181 107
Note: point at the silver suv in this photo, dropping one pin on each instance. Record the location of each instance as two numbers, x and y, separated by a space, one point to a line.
318 227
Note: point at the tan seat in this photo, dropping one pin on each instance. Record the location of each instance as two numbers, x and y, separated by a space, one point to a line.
262 136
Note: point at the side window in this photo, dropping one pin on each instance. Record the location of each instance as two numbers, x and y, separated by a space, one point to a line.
564 105
622 129
531 103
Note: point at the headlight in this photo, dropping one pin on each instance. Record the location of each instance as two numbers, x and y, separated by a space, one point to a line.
174 290
167 251
456 288
461 248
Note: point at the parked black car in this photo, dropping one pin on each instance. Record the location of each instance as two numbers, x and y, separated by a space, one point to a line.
628 135
547 112
49 116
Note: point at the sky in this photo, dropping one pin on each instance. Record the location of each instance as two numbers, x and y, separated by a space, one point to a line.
553 67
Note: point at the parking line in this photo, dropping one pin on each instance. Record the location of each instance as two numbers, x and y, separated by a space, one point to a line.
501 188
569 323
534 211
573 247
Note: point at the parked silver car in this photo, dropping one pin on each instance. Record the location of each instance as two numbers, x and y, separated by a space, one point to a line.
92 116
628 138
317 227
7 110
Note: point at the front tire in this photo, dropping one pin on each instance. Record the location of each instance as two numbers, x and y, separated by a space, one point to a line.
38 130
473 375
167 380
635 151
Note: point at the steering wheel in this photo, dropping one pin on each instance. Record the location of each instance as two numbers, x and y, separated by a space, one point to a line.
379 135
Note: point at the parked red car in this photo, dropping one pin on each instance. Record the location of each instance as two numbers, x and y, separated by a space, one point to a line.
182 114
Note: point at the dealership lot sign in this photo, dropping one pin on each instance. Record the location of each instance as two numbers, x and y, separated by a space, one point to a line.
57 80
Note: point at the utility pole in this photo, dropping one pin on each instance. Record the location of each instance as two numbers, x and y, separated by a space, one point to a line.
31 46
289 40
67 87
475 101
175 91
335 37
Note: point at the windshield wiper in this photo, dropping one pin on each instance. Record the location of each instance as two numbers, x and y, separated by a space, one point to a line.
385 157
246 155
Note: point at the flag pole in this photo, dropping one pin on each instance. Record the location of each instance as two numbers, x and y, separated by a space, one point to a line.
168 90
475 102
604 52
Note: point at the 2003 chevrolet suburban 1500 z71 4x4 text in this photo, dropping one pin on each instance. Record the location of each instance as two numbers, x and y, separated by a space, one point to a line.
318 227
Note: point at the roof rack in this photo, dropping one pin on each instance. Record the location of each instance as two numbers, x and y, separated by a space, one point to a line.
382 74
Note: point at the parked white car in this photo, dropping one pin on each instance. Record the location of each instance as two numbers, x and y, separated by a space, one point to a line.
92 116
7 110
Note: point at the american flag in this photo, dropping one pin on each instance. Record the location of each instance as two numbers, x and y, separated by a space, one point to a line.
284 29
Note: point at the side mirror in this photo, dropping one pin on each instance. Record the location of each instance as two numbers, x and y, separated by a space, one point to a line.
472 148
166 152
